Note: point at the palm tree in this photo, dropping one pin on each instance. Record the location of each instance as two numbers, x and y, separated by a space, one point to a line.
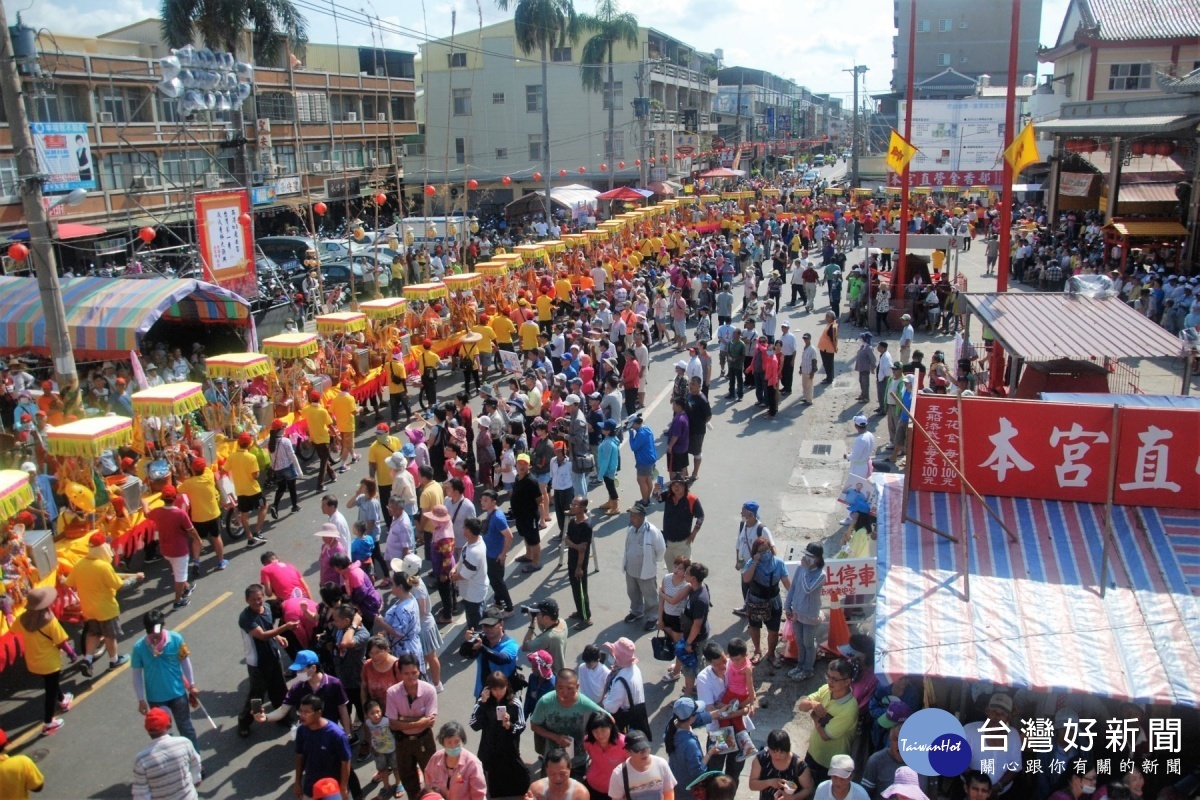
220 25
540 25
609 26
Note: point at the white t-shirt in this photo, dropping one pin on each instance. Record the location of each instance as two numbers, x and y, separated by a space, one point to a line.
648 785
591 681
473 567
617 698
825 792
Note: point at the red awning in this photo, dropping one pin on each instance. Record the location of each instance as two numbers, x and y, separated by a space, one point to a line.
66 230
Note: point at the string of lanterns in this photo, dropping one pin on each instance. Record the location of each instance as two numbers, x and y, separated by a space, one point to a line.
1139 148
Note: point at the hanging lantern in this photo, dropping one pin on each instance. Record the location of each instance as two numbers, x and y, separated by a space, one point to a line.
147 234
604 167
393 242
430 190
245 219
380 199
507 181
1165 148
582 170
451 229
537 177
1105 146
409 236
359 233
18 252
431 231
319 209
637 162
620 165
562 173
472 184
1137 149
1090 145
474 228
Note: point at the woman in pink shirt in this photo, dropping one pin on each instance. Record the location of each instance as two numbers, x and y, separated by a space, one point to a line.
454 772
281 580
605 745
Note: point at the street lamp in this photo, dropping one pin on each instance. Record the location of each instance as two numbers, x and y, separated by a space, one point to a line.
73 198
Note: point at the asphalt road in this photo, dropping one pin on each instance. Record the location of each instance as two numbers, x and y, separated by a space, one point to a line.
748 456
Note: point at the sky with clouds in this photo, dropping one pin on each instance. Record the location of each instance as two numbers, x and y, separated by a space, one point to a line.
811 43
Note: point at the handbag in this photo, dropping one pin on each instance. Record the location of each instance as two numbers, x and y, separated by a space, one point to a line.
663 647
758 610
633 718
583 463
288 473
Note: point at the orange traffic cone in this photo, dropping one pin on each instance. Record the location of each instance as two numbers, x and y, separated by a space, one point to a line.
839 633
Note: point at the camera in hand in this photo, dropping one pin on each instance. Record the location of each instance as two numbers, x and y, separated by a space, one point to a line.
532 611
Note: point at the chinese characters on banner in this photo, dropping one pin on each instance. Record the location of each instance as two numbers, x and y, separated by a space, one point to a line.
964 180
64 156
226 245
849 582
1108 746
1059 451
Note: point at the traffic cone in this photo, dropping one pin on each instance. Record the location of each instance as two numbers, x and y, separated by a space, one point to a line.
839 633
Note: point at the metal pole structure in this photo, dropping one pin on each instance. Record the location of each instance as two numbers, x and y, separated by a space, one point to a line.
643 118
902 250
41 229
856 70
1006 187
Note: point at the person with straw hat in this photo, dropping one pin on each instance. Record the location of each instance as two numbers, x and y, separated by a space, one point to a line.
44 643
97 584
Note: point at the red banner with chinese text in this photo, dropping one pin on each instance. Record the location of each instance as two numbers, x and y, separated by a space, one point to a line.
226 240
1058 451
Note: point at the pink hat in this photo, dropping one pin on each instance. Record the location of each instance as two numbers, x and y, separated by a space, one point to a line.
905 784
543 662
623 650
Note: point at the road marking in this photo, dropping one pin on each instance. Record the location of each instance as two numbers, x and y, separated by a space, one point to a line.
111 675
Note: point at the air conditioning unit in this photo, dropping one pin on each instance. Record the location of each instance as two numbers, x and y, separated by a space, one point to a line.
336 166
381 117
212 181
401 151
326 166
280 169
137 183
351 116
106 117
374 162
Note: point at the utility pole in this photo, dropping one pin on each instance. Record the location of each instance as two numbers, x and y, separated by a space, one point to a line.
641 110
41 229
856 70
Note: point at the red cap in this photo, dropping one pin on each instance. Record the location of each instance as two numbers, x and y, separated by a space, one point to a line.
126 462
326 787
158 719
120 381
199 465
427 344
169 492
26 418
245 440
25 518
3 738
97 539
382 428
47 386
345 386
314 396
278 424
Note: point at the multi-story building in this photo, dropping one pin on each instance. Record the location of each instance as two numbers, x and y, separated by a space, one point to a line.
329 125
483 102
972 39
754 104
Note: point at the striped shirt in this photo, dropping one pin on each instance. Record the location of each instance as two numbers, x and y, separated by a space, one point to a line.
168 769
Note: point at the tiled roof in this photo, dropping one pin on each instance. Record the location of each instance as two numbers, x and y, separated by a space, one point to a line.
1121 20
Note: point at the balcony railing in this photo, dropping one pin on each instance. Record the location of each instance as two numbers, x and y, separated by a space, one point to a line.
674 118
682 73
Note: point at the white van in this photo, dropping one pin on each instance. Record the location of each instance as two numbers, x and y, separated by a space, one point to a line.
818 161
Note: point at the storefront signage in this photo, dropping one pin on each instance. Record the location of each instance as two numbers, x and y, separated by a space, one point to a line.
288 185
341 188
64 156
1059 451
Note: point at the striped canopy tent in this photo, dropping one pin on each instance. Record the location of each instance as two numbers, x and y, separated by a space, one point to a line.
15 493
107 318
89 437
168 399
385 308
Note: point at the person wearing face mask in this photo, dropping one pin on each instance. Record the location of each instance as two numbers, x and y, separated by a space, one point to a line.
311 680
454 772
161 668
803 608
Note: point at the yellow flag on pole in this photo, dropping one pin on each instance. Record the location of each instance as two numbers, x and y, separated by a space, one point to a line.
900 152
1023 151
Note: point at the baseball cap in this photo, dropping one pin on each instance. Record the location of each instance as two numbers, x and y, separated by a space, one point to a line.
785 324
841 766
488 622
326 787
304 659
158 719
572 400
686 708
1001 701
278 424
860 421
638 508
806 336
549 607
681 364
897 712
524 457
382 428
636 742
244 440
169 492
608 425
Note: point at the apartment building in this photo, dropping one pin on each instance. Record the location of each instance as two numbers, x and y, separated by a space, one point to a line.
329 125
483 104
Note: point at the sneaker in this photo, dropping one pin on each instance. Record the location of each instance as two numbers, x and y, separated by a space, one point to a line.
650 625
180 603
255 541
440 688
507 613
65 703
799 674
273 511
52 726
342 469
631 617
222 564
739 612
295 509
118 661
85 666
188 591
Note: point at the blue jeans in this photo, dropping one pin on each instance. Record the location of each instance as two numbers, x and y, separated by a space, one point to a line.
579 480
183 717
806 644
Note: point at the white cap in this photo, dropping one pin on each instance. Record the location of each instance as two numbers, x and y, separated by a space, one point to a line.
572 400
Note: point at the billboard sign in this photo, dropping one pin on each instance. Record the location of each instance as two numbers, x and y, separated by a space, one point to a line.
226 242
64 156
957 135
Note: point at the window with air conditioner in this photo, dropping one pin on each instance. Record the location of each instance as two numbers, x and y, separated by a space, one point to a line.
535 147
501 153
314 154
945 25
456 60
1129 77
923 26
124 103
285 157
943 59
560 54
533 98
462 102
185 167
121 168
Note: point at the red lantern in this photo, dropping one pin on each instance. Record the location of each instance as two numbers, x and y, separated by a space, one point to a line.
620 165
637 162
537 177
18 252
380 199
1165 148
147 234
506 180
1090 146
472 184
562 173
1105 146
604 167
319 209
245 219
582 170
430 190
1138 149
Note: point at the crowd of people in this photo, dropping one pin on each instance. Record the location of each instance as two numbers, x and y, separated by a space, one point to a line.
447 497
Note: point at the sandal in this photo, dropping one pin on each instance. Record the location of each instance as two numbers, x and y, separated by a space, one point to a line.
670 676
755 659
777 661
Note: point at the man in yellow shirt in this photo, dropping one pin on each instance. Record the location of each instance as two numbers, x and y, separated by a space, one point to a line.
97 584
18 774
242 467
545 311
397 282
204 507
468 359
529 336
345 414
318 420
486 344
428 362
377 467
504 329
562 289
398 387
429 494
